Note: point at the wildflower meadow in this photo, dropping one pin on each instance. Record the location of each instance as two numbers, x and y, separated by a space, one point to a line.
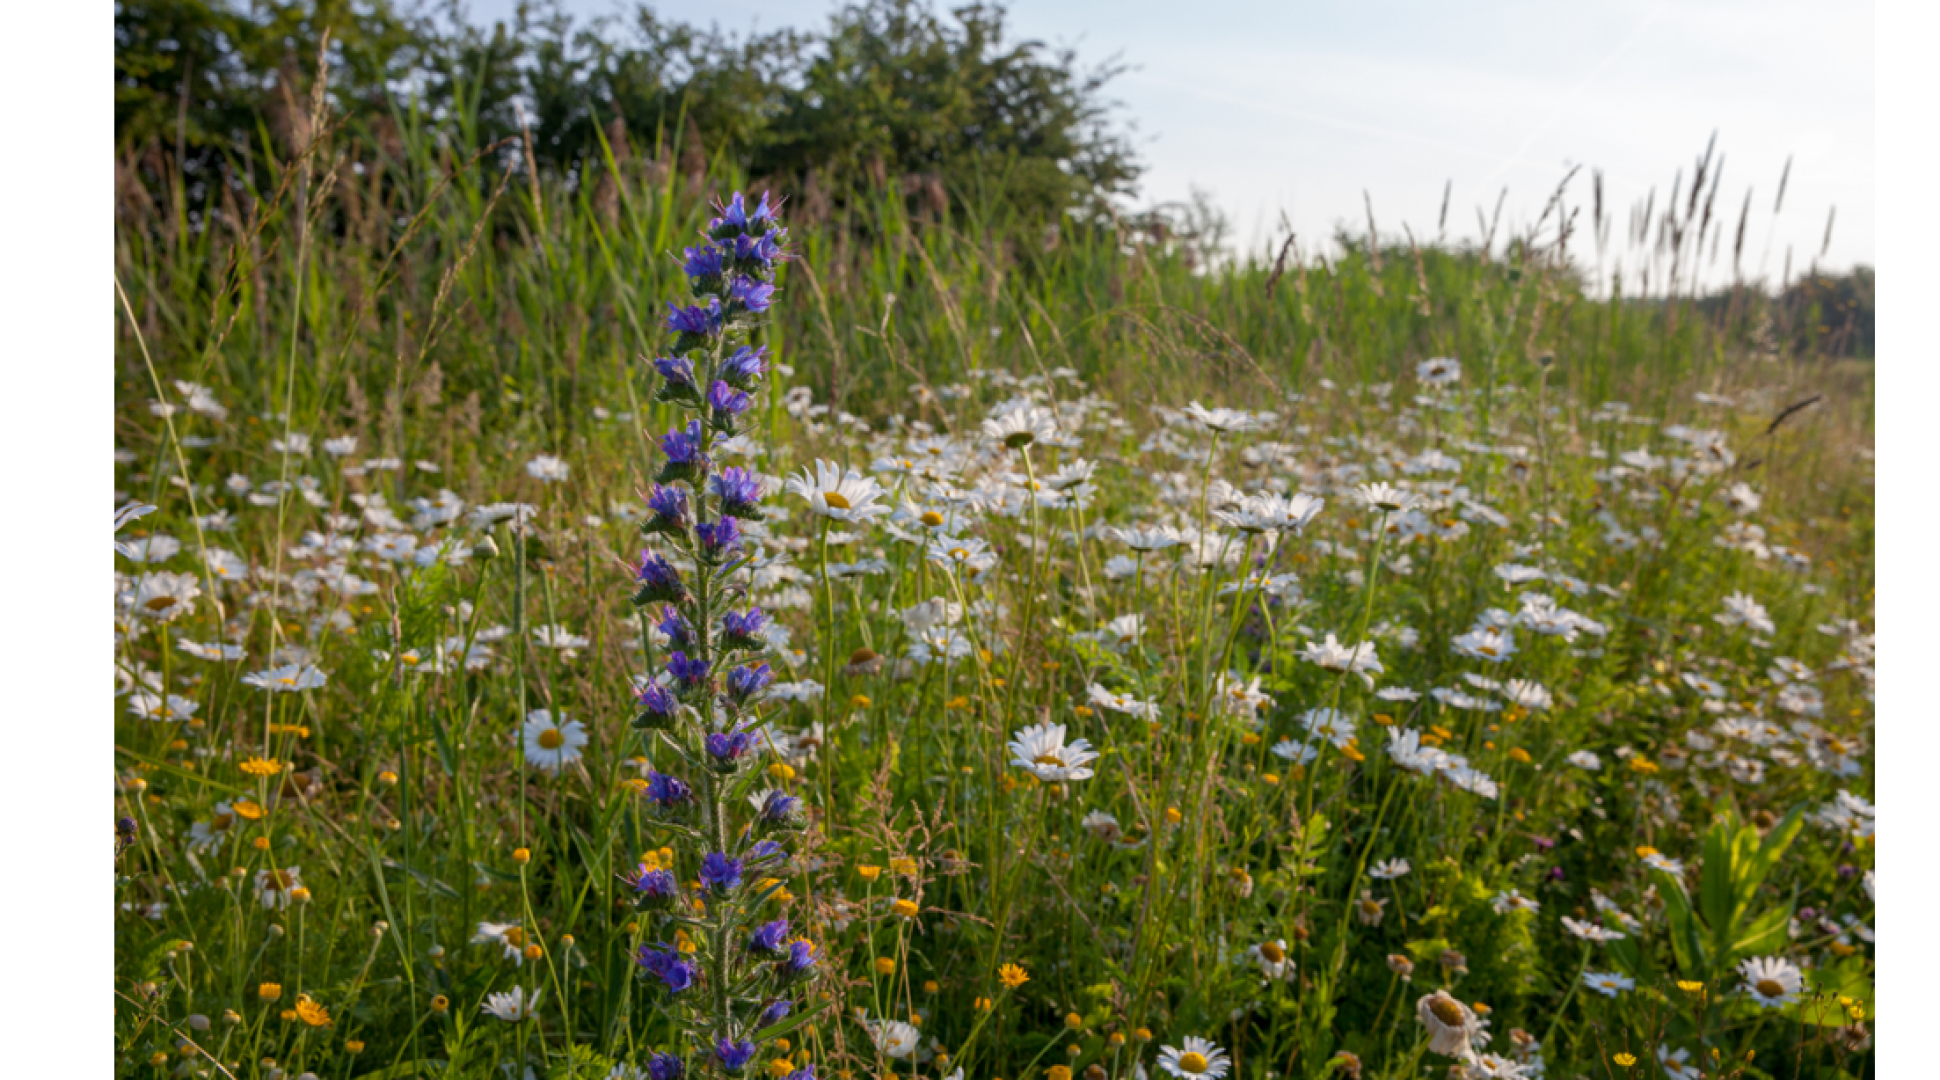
669 627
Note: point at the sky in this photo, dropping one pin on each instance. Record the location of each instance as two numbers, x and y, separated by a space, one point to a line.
1313 110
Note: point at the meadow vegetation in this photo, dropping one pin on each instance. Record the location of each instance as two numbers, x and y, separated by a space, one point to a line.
1374 655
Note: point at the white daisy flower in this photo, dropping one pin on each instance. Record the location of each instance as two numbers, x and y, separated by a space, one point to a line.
839 494
287 679
1020 427
1439 371
1198 1059
508 936
273 887
1041 750
551 746
512 1007
1451 1025
547 469
1608 983
1772 981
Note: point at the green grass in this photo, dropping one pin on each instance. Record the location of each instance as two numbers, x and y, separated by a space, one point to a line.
441 315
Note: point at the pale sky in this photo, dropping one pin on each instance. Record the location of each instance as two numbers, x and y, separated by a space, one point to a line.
1299 107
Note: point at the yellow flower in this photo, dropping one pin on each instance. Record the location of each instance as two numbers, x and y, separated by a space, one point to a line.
930 987
1173 816
1270 778
270 991
256 766
906 908
1623 1060
1058 1072
780 770
439 1003
521 855
354 1046
885 965
869 873
780 1067
1690 986
1012 976
1642 764
310 1012
903 865
1073 1021
1518 754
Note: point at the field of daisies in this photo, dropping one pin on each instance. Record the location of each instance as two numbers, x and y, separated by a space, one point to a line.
648 633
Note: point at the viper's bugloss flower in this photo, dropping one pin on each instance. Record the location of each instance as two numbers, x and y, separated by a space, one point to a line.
739 631
699 321
779 808
667 791
751 293
689 674
667 510
729 747
801 958
654 888
746 681
718 539
769 938
678 374
765 853
658 580
666 1067
666 963
703 264
733 1056
720 873
758 254
806 1072
658 707
741 369
680 634
775 1013
738 489
726 403
685 459
736 219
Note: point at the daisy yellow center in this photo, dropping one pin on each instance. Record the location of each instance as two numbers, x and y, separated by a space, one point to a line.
287 680
1273 952
1447 1010
932 518
1048 758
959 553
1192 1062
1369 907
514 936
1488 650
551 739
1770 987
836 499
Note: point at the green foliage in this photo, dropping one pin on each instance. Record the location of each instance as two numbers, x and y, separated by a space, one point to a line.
1721 930
894 99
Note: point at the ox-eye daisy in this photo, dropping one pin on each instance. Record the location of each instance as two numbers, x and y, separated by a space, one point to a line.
1041 749
1198 1059
552 745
